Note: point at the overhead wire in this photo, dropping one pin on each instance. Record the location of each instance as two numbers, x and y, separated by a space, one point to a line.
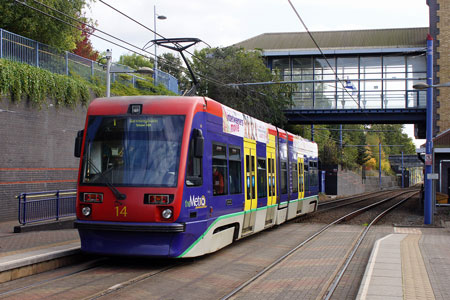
120 12
121 40
187 51
159 35
79 28
125 42
245 92
93 34
85 24
321 52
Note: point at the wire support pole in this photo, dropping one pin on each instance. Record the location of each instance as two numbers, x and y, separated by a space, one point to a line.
155 65
428 212
379 164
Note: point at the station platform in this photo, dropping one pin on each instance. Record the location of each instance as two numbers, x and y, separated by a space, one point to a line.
27 253
410 263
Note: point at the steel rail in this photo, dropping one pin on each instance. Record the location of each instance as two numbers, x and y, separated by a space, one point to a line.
348 199
338 278
129 282
276 262
96 263
363 195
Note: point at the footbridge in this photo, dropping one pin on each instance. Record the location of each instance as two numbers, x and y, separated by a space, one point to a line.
357 76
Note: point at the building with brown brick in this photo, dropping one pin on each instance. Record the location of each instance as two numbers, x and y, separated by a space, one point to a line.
440 31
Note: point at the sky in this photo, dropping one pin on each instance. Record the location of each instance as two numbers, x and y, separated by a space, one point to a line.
225 22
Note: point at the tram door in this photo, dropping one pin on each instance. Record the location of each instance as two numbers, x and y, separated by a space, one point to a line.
271 185
301 184
251 202
301 181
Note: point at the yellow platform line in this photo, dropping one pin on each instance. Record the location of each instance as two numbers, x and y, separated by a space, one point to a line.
416 284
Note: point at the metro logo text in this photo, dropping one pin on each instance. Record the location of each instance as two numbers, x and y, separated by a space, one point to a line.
196 201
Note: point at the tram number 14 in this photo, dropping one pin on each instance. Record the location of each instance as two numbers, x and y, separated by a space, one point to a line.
121 211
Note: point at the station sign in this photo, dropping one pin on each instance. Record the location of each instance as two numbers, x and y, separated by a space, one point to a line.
433 176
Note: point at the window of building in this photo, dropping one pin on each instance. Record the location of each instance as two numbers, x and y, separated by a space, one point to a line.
282 68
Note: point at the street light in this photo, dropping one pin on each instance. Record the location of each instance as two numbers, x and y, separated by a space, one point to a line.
114 69
428 211
423 85
108 72
428 184
160 17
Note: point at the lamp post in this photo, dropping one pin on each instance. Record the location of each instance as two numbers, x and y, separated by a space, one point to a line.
423 85
155 65
428 208
143 70
108 72
428 205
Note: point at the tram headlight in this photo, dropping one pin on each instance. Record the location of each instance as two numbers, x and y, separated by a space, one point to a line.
86 211
167 213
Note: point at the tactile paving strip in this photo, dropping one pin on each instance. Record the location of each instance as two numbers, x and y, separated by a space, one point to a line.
416 284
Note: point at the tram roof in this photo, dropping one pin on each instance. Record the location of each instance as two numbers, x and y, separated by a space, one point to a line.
120 105
336 42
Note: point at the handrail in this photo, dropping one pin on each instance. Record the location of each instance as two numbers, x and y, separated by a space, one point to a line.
46 205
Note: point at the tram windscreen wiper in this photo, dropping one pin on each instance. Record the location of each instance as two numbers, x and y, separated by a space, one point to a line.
117 194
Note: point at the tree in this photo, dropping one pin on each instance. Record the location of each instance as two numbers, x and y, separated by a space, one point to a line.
32 24
217 67
84 46
136 61
173 65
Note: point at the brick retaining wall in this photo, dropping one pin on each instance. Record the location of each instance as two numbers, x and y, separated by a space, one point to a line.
36 149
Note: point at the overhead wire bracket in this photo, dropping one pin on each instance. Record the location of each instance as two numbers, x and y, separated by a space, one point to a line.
176 44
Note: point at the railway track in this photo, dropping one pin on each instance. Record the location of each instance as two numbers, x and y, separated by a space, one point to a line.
333 282
332 204
41 289
154 279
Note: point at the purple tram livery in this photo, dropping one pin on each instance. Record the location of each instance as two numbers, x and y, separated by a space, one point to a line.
173 176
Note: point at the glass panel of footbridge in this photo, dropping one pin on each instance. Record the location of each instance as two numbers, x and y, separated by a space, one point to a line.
347 87
416 72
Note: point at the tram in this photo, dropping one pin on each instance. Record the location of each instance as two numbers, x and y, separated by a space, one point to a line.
172 176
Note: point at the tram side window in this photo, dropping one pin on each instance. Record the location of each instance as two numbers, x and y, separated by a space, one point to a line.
234 155
294 174
316 173
314 180
283 179
194 176
301 176
219 166
272 191
306 176
262 178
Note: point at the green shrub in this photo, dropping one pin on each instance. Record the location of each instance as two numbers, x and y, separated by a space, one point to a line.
36 85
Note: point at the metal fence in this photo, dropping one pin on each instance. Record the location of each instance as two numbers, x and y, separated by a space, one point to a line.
21 49
43 206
